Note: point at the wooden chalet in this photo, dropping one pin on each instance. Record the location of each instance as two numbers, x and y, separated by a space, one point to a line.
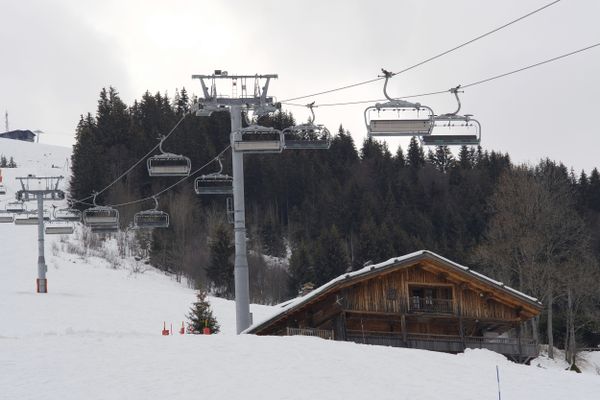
420 300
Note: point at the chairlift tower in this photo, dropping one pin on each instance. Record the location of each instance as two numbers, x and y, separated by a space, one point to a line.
40 188
260 104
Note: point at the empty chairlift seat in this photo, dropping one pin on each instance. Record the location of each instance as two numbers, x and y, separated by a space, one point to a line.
151 219
104 229
68 214
169 165
398 117
309 136
59 228
15 207
101 217
30 218
454 130
6 217
214 184
258 139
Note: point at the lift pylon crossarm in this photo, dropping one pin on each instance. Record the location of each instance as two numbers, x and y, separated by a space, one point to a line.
400 117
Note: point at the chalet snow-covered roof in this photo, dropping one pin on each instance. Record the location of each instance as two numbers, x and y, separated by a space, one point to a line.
25 135
293 304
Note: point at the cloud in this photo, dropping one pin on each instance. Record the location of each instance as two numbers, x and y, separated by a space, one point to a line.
53 67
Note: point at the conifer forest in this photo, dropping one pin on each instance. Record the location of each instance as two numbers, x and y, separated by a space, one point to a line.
313 215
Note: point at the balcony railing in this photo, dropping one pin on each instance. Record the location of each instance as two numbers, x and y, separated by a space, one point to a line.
447 343
430 305
322 333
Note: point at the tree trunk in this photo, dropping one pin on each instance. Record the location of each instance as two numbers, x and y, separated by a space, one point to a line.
534 329
549 328
570 337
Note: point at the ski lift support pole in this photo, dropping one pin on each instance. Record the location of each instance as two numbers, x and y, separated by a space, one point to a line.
40 188
261 105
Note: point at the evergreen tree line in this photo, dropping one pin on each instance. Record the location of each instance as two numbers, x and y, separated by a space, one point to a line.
7 163
338 210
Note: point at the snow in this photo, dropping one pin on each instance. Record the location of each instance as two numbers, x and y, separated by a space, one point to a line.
96 335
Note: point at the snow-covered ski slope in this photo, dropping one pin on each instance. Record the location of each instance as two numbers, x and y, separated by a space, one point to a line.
96 335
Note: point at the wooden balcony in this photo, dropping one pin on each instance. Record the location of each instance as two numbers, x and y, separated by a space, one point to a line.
430 305
514 348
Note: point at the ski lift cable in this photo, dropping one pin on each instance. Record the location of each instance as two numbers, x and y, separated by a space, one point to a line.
82 201
492 78
157 194
430 58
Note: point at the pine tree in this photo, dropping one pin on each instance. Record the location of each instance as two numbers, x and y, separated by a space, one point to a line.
220 268
416 157
201 315
399 159
12 163
301 269
442 159
3 162
331 258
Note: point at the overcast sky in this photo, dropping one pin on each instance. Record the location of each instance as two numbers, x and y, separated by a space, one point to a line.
57 55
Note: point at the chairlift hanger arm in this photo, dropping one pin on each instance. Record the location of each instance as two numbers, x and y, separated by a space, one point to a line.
392 101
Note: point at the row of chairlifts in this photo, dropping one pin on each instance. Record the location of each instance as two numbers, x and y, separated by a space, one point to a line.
105 219
61 222
402 118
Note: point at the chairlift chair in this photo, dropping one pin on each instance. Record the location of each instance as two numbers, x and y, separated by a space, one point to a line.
257 139
101 217
215 183
168 164
6 217
59 228
104 229
2 189
307 136
150 219
453 129
30 218
15 207
68 214
398 117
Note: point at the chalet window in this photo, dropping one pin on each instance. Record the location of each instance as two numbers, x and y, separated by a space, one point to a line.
434 299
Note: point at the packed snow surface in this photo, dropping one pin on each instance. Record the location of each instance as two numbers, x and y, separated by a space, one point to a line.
97 335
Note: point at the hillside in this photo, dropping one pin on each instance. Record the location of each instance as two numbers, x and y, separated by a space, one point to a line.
96 335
